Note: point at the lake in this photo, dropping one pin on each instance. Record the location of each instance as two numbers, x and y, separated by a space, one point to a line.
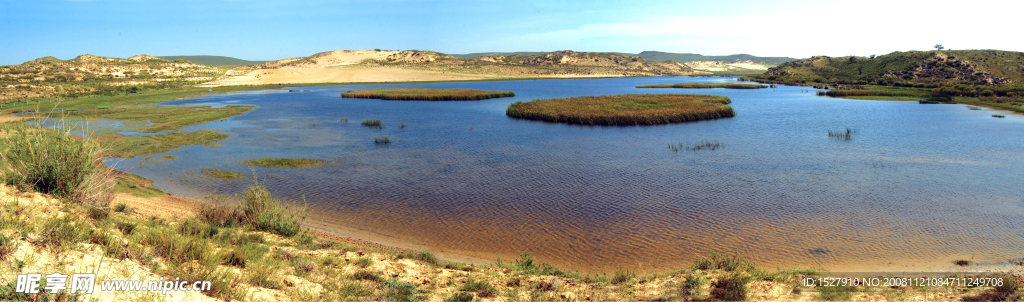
916 188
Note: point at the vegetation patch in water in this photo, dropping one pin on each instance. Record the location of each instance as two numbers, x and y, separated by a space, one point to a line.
426 94
629 109
382 140
998 116
285 162
123 146
704 85
222 174
704 145
842 134
373 124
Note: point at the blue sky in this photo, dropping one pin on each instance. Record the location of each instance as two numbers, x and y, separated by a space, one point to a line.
268 30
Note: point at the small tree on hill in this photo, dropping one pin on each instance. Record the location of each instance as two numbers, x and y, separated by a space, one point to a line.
938 47
872 56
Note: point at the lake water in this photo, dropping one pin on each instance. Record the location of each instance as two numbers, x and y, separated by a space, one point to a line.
917 187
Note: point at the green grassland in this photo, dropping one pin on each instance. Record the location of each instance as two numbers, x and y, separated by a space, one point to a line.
631 109
426 94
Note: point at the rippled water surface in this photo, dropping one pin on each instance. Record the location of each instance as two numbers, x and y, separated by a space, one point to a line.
917 186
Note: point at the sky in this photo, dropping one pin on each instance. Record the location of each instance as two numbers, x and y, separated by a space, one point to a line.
275 29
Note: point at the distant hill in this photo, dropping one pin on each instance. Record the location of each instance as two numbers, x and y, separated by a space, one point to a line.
692 57
949 67
213 60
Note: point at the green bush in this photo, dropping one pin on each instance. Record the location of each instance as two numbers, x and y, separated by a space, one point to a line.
263 212
55 161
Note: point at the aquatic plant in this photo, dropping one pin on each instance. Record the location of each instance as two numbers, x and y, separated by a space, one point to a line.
703 145
426 94
373 124
284 162
630 109
343 120
381 140
998 116
704 85
222 174
842 134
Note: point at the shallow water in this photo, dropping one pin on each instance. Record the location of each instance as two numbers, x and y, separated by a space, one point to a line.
917 187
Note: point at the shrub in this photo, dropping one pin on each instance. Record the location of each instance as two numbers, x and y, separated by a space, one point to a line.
55 162
730 288
263 212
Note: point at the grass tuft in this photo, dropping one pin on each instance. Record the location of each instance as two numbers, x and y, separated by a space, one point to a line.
721 261
381 140
55 161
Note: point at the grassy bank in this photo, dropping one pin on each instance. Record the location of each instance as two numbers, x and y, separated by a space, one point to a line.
1011 101
426 94
704 85
631 109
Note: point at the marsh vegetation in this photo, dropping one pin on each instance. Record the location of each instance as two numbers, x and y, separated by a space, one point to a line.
703 145
629 109
842 134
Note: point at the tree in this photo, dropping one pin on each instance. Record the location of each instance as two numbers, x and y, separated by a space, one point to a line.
872 56
939 46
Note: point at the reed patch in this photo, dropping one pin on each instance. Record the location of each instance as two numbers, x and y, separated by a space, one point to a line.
630 109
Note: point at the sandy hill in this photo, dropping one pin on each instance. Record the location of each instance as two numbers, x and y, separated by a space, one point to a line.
88 74
389 66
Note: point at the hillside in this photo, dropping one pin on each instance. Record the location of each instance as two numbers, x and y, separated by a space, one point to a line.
89 74
497 54
951 67
341 66
212 60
